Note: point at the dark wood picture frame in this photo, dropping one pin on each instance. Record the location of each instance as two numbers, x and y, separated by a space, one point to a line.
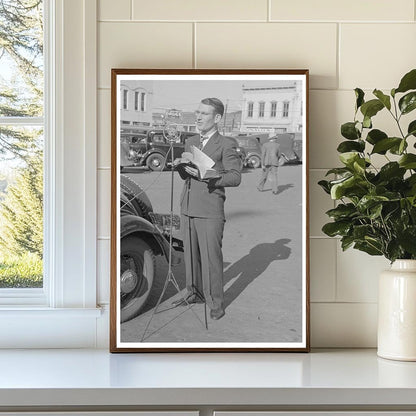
266 273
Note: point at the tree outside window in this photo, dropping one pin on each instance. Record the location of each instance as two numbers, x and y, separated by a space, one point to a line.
21 143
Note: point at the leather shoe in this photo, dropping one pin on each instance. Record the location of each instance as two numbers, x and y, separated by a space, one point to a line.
190 298
217 313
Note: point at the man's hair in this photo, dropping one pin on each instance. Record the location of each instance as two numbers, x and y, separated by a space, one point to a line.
216 103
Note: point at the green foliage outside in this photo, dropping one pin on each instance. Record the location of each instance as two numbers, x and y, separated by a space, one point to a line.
21 271
21 95
376 210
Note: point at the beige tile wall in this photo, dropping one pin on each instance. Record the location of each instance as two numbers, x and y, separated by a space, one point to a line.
345 44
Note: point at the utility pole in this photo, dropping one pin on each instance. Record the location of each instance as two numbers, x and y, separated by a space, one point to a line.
225 116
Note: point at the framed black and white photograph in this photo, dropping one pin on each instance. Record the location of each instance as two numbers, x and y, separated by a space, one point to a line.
209 210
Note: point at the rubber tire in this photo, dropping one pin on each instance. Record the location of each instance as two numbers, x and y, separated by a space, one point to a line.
254 162
158 157
136 249
138 197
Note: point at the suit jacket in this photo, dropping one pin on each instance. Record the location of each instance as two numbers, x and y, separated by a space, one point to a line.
205 199
270 154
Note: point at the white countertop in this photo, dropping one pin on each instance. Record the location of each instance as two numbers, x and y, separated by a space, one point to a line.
96 377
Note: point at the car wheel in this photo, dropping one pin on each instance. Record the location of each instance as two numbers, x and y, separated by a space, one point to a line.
155 162
253 162
136 196
137 270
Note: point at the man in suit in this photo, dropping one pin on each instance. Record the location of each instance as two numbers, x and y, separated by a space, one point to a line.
202 209
270 154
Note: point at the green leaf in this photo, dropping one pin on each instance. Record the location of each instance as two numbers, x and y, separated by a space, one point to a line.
408 161
371 108
375 212
407 240
411 130
345 186
338 171
375 135
385 99
391 170
348 158
349 131
349 146
325 186
408 102
342 211
368 248
398 149
336 228
408 82
359 94
361 231
346 242
383 145
367 122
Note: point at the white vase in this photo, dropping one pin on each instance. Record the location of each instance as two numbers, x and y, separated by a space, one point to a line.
397 312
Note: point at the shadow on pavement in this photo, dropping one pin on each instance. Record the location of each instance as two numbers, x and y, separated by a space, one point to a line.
252 265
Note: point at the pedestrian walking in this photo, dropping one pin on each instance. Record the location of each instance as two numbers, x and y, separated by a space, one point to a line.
270 154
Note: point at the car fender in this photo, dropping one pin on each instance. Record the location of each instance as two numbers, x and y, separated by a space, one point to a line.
133 224
151 152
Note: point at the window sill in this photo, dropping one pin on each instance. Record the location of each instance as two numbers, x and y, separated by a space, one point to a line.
39 327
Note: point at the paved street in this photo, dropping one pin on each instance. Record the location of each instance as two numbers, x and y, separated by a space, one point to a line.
262 266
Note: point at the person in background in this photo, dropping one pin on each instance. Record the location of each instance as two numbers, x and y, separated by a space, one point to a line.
270 154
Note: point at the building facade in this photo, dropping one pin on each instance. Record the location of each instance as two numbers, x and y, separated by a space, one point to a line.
136 104
273 109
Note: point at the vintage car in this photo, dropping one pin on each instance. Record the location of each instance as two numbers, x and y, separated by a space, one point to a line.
143 235
152 149
290 148
252 151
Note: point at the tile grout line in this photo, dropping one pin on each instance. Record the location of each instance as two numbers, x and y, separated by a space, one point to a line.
269 11
338 63
131 9
194 62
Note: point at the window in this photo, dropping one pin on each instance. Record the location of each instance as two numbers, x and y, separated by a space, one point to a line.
22 128
68 316
285 109
136 101
261 109
250 109
125 98
142 102
273 109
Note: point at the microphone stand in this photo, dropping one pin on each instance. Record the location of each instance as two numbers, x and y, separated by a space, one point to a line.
170 277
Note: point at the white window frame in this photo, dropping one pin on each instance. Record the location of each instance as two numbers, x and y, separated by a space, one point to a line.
64 313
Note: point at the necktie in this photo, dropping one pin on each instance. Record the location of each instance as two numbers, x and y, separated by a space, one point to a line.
202 142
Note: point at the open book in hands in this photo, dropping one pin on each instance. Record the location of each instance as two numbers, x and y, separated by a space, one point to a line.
199 160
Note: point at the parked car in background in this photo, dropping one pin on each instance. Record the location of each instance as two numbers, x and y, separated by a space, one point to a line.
143 234
252 150
152 149
290 148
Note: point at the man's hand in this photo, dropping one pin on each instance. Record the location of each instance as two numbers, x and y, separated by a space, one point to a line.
192 171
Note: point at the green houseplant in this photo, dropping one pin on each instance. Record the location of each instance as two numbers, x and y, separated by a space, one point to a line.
376 212
376 209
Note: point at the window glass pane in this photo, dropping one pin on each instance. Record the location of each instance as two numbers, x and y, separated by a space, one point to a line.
21 213
21 58
21 143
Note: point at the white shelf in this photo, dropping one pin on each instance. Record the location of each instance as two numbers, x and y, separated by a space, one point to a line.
335 378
